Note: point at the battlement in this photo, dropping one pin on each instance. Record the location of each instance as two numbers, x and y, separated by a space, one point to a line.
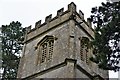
55 48
60 12
60 17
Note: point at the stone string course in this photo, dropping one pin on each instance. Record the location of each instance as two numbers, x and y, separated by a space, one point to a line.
66 30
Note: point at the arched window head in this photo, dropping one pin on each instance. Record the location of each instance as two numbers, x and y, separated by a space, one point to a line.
45 51
84 49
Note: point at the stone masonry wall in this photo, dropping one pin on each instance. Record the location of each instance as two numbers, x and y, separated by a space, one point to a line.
67 28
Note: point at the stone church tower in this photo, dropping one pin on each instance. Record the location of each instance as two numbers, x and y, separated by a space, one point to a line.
56 49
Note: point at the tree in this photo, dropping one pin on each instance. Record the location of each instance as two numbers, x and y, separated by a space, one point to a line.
12 36
106 44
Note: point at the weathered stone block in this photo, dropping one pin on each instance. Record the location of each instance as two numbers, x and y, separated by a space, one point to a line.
55 49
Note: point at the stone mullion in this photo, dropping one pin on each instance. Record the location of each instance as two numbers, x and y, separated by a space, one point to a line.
45 52
48 50
47 56
52 44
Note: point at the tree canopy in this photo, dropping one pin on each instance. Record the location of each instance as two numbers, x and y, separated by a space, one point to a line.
11 37
106 44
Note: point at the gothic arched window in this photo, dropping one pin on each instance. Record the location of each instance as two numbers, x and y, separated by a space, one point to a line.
84 49
45 51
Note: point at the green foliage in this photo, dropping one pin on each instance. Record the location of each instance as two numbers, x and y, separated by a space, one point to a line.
12 37
107 35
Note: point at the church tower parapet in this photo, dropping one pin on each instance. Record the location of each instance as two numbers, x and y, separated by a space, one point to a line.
55 49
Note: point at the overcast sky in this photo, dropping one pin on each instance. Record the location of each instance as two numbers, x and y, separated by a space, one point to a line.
30 11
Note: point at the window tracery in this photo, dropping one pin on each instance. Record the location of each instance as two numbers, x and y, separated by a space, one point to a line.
45 51
84 50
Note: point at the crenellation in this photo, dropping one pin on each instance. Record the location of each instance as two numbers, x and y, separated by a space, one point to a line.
44 27
81 14
53 49
89 22
37 24
48 18
28 28
72 7
60 12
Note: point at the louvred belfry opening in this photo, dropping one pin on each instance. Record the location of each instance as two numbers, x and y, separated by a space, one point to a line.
45 49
